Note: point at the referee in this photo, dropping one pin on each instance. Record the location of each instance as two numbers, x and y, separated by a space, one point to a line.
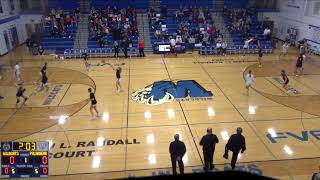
208 143
236 143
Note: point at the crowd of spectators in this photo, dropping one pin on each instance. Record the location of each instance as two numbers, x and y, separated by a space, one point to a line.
120 23
59 20
194 25
240 21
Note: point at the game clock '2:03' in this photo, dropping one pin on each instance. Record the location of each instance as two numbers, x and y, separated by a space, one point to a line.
24 159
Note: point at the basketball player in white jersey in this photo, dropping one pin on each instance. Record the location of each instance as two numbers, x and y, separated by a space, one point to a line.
86 59
17 72
284 50
249 81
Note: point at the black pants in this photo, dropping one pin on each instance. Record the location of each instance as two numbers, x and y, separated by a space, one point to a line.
208 160
116 52
141 52
219 51
125 51
234 157
224 51
174 165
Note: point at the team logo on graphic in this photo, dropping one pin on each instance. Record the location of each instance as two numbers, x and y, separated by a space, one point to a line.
167 91
6 146
43 146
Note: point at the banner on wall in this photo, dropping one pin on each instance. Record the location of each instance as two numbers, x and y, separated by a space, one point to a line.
293 4
315 33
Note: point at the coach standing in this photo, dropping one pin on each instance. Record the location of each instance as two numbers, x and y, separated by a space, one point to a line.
208 143
235 143
177 150
141 47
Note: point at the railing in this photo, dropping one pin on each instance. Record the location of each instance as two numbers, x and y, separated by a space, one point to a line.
234 50
96 52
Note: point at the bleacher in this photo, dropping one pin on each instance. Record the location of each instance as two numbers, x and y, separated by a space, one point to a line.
169 20
176 4
255 29
137 4
59 44
68 5
102 4
109 42
232 4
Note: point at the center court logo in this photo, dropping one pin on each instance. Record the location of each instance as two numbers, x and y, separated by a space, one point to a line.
167 91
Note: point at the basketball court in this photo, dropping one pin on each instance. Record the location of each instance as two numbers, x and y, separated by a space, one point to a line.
132 136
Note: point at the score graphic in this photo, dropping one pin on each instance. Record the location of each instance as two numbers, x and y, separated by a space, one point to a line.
24 159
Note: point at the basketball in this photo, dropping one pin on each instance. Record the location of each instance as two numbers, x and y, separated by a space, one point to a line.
103 61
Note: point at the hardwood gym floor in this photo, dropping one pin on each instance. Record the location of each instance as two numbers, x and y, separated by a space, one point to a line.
131 138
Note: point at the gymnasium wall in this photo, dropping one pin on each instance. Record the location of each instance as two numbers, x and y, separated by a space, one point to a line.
303 15
9 20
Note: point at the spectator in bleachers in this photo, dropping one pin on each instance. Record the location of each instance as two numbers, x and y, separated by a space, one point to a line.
116 49
191 22
40 50
219 47
224 46
152 13
125 46
240 21
192 42
164 10
77 13
173 45
59 20
158 34
179 39
120 22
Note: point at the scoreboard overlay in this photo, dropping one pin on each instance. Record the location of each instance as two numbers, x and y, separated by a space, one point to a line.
24 159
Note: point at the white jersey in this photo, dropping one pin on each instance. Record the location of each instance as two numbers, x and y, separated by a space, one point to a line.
304 57
285 48
246 43
17 69
249 79
173 42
